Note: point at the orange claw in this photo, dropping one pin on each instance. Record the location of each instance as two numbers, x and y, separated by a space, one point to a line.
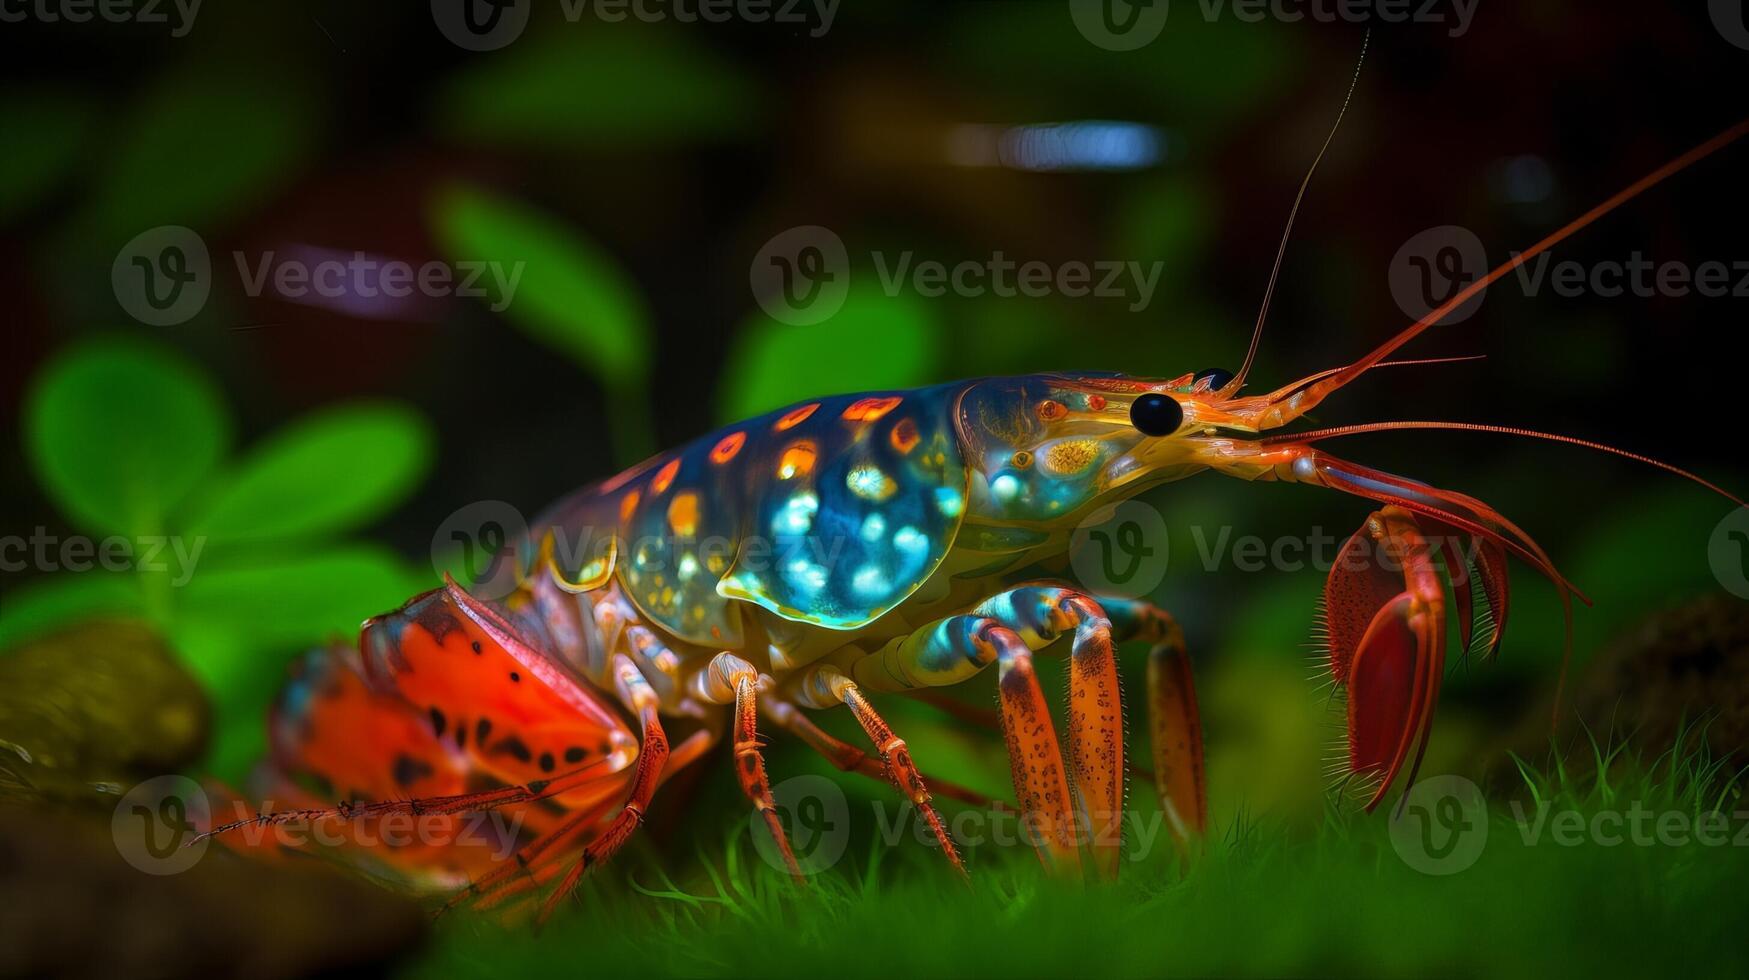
1386 611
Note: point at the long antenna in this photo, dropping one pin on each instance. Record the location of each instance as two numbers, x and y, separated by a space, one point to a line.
1316 435
1238 381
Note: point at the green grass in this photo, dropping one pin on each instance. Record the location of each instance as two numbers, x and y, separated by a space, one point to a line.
1270 897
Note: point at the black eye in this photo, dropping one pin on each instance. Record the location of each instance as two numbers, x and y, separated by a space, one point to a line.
1156 415
1217 378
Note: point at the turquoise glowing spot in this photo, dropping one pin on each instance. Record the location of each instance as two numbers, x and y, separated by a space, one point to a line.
874 527
1005 487
870 483
912 542
688 567
871 580
949 501
805 576
797 515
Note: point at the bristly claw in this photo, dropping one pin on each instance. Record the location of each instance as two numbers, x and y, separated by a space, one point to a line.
1386 609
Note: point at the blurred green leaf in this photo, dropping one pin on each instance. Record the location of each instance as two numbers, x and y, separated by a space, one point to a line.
329 472
197 151
238 627
1200 73
571 295
296 599
874 342
44 133
118 433
55 601
571 88
1168 220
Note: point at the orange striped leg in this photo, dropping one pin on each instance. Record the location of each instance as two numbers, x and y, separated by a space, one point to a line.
1174 726
728 678
1040 783
849 758
828 680
1039 614
635 693
519 874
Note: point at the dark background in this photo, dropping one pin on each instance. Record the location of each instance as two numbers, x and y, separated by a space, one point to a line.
678 150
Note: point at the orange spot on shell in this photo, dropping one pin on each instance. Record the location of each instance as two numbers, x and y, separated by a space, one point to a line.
726 449
796 416
627 505
869 409
665 476
797 460
1050 410
1096 403
683 514
905 437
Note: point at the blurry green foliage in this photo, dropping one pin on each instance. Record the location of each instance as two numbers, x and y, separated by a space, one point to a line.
290 488
119 434
128 440
875 341
1202 73
46 131
207 151
571 87
572 295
